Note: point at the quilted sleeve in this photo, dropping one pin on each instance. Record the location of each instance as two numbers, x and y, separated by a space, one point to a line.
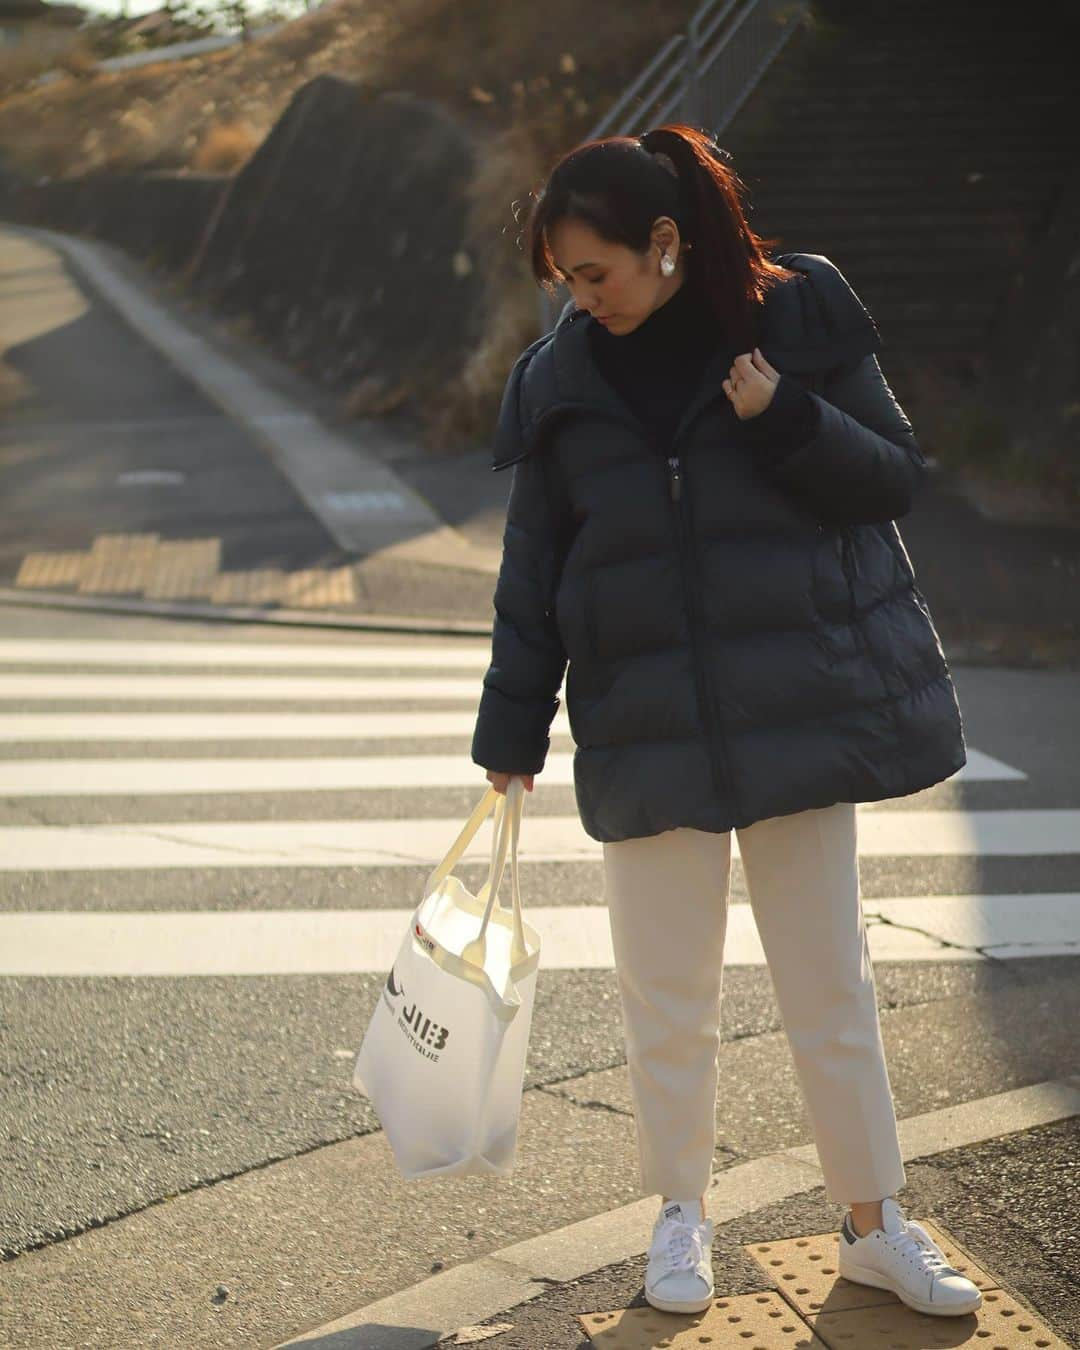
858 461
518 699
788 422
863 463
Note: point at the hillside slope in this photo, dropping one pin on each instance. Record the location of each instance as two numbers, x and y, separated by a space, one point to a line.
488 63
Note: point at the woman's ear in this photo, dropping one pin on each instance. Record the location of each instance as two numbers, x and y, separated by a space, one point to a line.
665 235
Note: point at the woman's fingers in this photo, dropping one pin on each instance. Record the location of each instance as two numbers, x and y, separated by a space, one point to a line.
749 388
501 781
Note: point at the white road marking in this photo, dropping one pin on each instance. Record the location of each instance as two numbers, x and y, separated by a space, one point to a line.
372 502
241 726
198 777
423 841
288 942
213 777
242 688
449 653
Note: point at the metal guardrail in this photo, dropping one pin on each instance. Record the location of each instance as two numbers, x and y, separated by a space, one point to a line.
702 76
175 51
181 51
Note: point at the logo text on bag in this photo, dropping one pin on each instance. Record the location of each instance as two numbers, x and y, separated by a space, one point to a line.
422 1033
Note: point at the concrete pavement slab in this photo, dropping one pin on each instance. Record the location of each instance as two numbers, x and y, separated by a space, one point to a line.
291 1241
306 1238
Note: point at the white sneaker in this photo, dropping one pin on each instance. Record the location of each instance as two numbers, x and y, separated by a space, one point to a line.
679 1276
903 1257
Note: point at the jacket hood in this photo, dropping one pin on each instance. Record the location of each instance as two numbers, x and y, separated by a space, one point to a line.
813 321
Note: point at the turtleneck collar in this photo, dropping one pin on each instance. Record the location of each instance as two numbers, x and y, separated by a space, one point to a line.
684 321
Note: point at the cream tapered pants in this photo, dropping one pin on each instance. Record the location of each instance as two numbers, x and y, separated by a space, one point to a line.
667 898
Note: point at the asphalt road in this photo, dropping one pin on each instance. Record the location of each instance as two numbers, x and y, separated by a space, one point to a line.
192 838
167 1134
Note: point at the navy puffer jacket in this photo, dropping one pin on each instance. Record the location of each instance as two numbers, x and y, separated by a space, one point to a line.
737 620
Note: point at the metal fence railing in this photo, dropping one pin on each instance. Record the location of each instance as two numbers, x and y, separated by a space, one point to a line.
702 76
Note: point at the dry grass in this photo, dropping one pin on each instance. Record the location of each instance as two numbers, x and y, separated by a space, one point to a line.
493 64
226 147
155 117
48 50
511 166
1028 452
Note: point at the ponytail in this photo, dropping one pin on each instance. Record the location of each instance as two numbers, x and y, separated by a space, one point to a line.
620 185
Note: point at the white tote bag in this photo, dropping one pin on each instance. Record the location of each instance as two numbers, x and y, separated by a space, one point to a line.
443 1057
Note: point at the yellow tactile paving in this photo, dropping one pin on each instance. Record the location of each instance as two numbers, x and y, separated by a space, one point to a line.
118 563
813 1306
805 1271
184 569
261 586
1000 1324
320 587
849 1316
761 1321
51 569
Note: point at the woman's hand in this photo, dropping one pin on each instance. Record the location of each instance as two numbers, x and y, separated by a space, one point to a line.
500 781
751 384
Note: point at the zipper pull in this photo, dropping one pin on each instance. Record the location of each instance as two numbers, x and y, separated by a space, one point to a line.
676 477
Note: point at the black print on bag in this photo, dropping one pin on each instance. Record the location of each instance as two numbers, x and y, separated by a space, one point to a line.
421 1031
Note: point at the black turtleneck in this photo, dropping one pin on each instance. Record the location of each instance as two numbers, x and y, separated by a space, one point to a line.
657 368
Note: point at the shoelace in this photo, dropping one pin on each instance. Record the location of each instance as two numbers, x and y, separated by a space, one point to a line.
685 1247
916 1240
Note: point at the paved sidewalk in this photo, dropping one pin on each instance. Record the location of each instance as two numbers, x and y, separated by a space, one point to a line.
153 461
969 1171
418 536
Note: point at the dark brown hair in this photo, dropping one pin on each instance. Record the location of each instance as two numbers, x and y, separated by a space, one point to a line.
618 187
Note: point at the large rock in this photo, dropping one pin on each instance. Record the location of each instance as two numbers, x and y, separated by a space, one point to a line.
343 236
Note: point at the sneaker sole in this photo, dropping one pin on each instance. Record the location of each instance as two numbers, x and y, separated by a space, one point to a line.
678 1306
862 1275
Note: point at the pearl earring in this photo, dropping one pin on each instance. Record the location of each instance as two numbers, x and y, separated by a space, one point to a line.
667 264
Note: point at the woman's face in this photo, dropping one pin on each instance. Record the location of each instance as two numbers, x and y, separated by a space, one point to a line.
615 284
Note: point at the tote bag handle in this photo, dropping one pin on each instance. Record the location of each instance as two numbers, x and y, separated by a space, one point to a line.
509 806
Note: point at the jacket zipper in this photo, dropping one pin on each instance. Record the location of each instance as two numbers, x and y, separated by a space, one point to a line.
718 763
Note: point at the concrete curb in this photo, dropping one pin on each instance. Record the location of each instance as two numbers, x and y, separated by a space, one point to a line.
179 609
419 1317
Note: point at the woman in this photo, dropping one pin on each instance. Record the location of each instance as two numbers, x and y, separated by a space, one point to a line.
707 466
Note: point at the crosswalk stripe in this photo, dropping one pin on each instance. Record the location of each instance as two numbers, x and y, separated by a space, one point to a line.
198 777
461 653
241 726
410 841
289 942
138 777
45 728
915 928
153 688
